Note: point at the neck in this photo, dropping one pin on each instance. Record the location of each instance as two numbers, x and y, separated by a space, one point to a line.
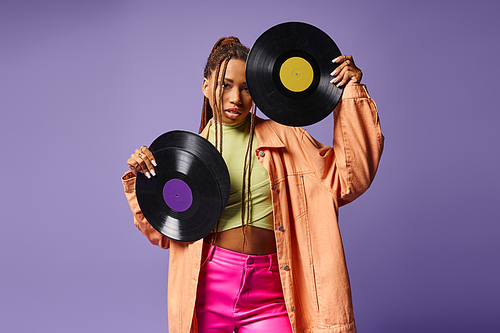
244 121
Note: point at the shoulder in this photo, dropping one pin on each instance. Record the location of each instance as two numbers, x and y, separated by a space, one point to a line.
272 134
271 125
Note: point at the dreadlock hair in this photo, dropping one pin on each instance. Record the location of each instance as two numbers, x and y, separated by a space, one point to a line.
224 50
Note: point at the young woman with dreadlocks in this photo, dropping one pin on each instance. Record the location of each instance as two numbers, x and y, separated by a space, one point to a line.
275 261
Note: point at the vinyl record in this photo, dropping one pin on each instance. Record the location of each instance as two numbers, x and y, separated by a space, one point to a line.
203 149
190 190
288 74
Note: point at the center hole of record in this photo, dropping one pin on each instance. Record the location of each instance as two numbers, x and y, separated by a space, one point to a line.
177 195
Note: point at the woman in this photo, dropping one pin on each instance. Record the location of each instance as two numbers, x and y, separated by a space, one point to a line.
275 261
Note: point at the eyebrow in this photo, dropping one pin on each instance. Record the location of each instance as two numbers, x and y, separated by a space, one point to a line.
231 81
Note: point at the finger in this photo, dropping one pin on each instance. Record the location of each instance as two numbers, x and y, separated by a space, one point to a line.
133 164
149 154
342 58
342 79
148 158
346 72
344 62
344 76
144 163
338 73
350 77
355 73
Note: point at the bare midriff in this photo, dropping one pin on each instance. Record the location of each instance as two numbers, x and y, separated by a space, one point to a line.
258 241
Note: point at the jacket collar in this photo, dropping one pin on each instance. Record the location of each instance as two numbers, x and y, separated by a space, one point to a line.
266 134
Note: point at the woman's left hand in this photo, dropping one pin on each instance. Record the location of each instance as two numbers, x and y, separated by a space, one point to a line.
346 72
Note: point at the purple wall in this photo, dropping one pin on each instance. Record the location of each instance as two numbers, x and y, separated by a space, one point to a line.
83 83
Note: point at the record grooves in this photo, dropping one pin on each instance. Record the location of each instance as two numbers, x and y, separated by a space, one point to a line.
190 190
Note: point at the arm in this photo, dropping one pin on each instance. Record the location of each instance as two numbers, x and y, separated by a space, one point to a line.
349 166
128 181
358 142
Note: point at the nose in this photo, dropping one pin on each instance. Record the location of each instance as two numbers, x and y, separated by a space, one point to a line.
235 96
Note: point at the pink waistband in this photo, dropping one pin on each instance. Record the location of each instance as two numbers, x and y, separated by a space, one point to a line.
215 253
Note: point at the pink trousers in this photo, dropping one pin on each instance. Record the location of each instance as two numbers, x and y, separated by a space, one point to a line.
241 293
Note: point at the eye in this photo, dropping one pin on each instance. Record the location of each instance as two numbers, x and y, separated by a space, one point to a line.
226 86
245 89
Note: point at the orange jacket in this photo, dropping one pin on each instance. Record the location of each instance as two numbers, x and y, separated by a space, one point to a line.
309 181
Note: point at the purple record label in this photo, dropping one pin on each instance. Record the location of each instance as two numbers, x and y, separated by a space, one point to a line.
177 195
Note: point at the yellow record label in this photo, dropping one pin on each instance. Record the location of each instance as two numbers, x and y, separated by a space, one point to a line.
296 74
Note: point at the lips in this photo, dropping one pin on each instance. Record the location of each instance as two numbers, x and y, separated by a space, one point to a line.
233 112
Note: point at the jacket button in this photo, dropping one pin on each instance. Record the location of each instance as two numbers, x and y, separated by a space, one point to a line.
261 153
275 187
292 308
281 228
286 268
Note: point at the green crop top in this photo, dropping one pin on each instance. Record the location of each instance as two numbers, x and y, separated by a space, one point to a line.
235 142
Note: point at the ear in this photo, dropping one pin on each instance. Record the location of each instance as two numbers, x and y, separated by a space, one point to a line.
204 87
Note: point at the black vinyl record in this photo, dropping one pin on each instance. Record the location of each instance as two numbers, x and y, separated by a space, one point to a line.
190 190
288 74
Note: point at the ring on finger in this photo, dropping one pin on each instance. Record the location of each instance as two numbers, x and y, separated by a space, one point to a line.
344 58
140 155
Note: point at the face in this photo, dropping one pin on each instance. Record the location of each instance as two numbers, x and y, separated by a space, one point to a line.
236 100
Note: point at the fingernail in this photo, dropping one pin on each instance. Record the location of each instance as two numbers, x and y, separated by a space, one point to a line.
148 175
335 60
333 73
154 162
339 84
332 80
153 172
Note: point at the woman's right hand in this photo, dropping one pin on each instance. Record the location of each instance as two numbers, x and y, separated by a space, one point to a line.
142 161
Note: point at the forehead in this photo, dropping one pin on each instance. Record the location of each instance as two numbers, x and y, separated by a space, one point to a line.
235 70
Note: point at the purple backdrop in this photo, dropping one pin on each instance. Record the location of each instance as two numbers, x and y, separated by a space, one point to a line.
83 83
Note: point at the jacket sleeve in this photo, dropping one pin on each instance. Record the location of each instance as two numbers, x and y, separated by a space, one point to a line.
349 166
140 221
